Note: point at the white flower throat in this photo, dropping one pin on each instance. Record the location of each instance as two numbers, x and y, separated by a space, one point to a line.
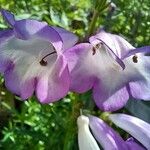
116 62
106 56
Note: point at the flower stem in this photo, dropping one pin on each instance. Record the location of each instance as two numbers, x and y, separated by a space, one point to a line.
71 128
93 23
99 7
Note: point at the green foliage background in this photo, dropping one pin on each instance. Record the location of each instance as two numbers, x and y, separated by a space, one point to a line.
30 125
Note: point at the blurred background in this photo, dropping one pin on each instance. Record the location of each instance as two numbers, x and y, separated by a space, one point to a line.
30 125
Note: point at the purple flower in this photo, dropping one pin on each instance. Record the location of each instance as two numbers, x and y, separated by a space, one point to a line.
112 68
107 137
32 58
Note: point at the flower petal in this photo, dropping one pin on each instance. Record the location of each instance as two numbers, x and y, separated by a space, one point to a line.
23 88
9 17
145 49
85 139
139 129
132 145
105 135
109 99
140 89
69 39
118 44
26 29
53 84
79 62
5 34
11 78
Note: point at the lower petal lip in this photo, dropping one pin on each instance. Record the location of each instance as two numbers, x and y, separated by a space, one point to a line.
54 85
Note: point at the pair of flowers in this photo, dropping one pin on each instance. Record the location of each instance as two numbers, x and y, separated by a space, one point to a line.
35 57
110 139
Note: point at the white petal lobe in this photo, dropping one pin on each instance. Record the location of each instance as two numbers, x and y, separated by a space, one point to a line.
85 139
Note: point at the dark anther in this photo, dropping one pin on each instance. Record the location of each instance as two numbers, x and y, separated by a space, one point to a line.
43 62
97 46
94 51
135 59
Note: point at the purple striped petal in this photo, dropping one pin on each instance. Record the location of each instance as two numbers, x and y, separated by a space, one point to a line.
139 129
105 135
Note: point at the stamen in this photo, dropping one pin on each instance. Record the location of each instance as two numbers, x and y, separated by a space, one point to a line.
94 51
43 62
117 59
97 46
135 59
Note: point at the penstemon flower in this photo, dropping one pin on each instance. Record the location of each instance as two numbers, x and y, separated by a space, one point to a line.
32 58
110 139
112 68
